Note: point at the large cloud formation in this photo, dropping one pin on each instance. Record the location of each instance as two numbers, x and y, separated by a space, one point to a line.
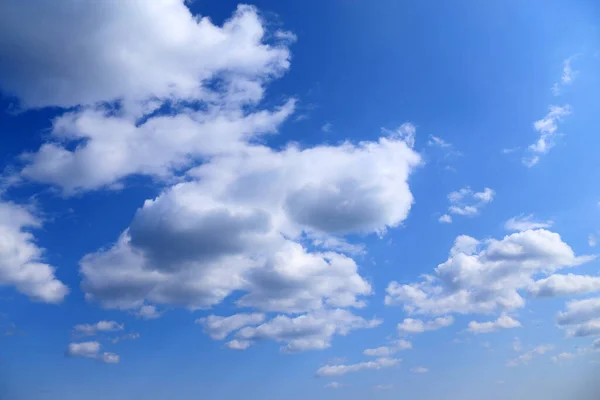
180 99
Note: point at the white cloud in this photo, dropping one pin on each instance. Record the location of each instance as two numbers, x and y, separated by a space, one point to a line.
503 322
525 223
83 349
148 312
91 350
147 57
129 336
386 351
445 219
333 385
525 358
419 370
564 285
485 277
465 202
21 260
547 127
342 369
592 240
132 50
438 142
178 244
415 326
596 344
581 318
516 345
563 356
405 132
327 127
308 331
566 78
383 387
220 327
238 344
100 326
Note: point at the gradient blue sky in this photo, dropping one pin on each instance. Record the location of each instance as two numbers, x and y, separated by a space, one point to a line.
465 80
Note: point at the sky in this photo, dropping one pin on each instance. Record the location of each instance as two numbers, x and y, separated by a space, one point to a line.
334 199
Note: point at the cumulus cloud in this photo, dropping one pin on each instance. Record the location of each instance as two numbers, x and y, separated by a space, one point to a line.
414 326
564 285
485 277
148 312
238 344
220 327
131 50
177 245
526 357
547 128
343 369
181 84
312 331
525 223
101 326
91 350
405 132
21 260
419 370
466 202
503 322
581 318
386 351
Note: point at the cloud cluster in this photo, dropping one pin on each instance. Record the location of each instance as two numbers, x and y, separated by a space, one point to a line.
485 276
180 99
91 350
581 318
465 202
21 260
525 223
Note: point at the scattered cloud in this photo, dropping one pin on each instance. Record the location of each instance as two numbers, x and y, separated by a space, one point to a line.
405 132
91 350
465 202
419 370
129 336
566 78
327 127
238 344
333 385
525 223
503 322
547 127
148 312
386 351
526 357
312 331
445 219
343 369
415 326
485 277
592 240
383 387
93 329
516 345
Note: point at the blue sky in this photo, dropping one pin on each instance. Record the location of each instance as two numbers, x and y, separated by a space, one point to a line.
328 200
